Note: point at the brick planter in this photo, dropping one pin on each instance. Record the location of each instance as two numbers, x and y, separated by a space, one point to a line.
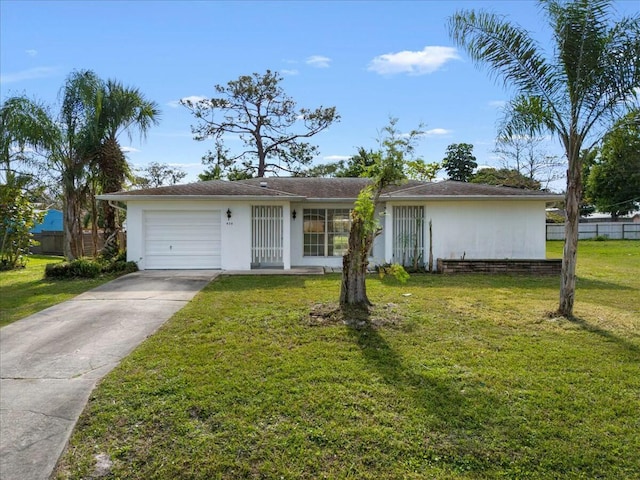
535 267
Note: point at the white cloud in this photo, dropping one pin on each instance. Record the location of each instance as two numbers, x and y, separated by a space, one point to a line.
438 131
31 52
191 98
129 149
30 74
336 158
289 72
318 61
428 60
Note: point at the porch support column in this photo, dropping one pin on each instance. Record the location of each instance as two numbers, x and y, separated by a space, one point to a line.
286 236
387 233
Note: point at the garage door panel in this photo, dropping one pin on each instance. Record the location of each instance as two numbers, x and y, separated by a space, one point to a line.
191 248
182 239
182 245
161 262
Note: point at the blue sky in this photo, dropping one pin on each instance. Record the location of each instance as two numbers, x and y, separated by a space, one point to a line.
371 60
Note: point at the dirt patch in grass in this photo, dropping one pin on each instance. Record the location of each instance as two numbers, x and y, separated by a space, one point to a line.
375 316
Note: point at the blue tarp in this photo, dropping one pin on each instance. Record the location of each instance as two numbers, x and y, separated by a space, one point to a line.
52 222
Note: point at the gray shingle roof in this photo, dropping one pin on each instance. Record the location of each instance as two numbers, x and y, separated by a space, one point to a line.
211 188
328 188
451 188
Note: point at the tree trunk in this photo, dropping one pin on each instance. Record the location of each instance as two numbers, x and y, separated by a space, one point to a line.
569 257
113 167
72 245
353 290
94 224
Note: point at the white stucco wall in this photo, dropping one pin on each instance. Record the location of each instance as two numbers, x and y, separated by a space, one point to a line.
235 233
481 229
473 229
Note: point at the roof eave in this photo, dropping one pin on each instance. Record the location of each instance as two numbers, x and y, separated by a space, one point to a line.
329 200
127 198
546 198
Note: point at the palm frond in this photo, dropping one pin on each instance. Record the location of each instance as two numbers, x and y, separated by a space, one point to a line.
509 51
528 116
126 110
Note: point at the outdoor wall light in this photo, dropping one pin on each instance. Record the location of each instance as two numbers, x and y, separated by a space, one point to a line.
228 214
294 214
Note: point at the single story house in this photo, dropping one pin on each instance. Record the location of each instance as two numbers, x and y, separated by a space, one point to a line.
283 222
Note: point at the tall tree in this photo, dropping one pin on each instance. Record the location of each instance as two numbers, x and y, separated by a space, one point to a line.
73 155
26 130
525 154
158 174
418 169
613 185
508 177
591 74
357 165
27 134
120 109
386 168
273 130
460 162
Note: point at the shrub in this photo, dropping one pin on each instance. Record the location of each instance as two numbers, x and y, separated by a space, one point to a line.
394 269
90 268
79 268
120 266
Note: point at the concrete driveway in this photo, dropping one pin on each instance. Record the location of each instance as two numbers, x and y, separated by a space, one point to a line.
50 361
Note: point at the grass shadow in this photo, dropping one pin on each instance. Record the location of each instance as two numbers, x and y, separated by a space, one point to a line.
385 361
592 284
459 410
608 336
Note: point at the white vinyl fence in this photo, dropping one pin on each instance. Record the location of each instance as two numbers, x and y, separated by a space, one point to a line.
611 230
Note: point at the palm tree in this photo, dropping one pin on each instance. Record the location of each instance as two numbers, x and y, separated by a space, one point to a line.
25 125
587 82
26 131
73 154
124 109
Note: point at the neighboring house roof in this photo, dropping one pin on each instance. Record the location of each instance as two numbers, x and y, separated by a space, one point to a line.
334 189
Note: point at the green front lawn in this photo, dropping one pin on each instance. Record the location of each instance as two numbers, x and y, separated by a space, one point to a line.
25 291
460 377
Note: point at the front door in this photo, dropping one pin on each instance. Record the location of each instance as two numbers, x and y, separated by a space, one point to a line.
266 236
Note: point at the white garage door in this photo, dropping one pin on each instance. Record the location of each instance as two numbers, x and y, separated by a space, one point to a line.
182 239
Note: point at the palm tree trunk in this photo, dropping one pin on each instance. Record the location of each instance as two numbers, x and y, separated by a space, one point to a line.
94 224
113 166
72 228
570 252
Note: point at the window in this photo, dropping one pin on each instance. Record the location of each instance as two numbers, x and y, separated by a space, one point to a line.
326 232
